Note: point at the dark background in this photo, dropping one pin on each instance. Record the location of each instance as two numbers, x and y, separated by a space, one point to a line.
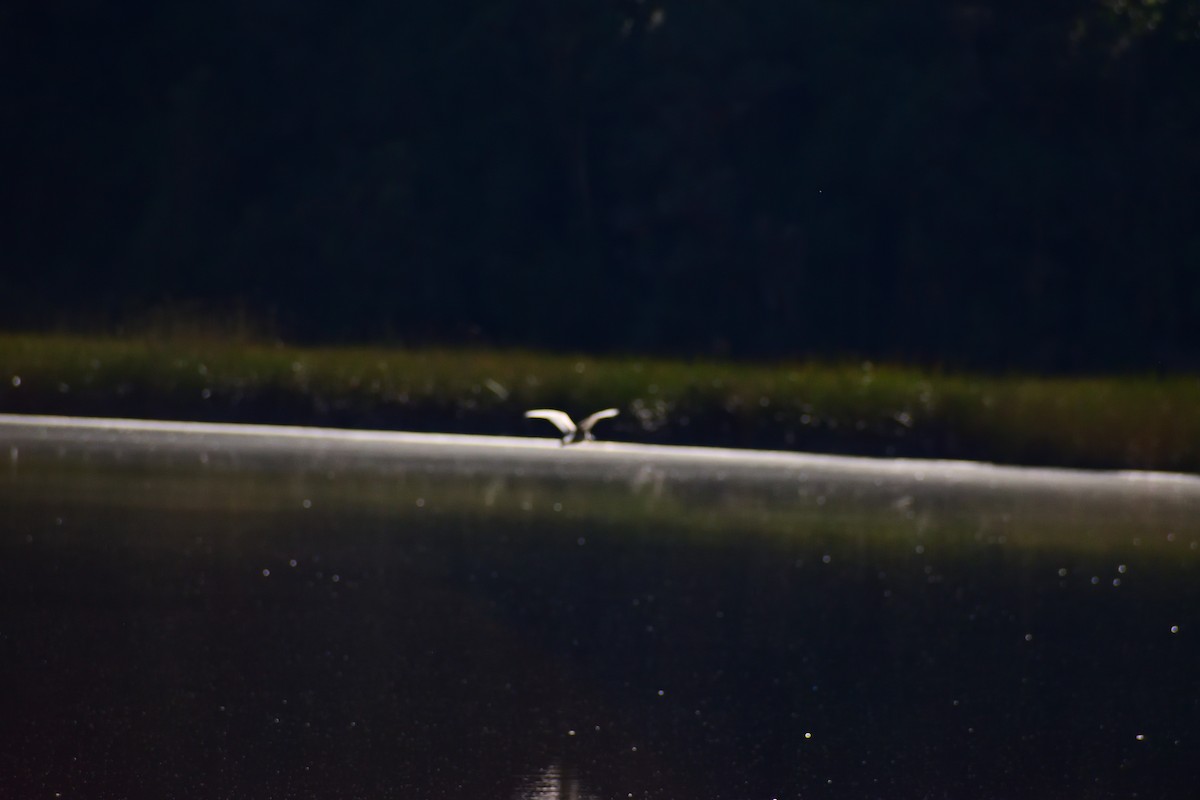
986 184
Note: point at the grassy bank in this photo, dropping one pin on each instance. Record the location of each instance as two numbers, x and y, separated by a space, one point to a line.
1126 422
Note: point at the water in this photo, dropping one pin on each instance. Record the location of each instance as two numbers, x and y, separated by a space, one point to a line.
195 612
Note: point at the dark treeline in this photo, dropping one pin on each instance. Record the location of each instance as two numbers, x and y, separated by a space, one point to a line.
980 183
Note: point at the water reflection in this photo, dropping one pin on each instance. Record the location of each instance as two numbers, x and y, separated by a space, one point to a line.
553 783
308 622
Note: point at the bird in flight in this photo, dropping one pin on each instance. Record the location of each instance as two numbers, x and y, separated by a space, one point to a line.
572 433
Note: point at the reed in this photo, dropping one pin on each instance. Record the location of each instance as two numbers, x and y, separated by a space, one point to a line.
1116 421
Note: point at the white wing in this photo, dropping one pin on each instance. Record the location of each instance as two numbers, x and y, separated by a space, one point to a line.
560 420
591 421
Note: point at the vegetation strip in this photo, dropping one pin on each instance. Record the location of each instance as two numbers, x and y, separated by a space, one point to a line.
1145 422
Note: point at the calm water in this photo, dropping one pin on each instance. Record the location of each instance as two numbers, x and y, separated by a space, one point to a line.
188 615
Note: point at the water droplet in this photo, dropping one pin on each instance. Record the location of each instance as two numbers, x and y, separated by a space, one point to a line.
16 380
1174 629
420 502
1121 568
1062 572
306 503
1141 737
336 578
266 573
1116 581
291 562
1029 637
826 559
807 735
581 541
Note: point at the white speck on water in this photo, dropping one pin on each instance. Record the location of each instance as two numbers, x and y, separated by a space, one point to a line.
16 380
1174 629
420 502
826 559
1170 537
58 521
291 562
558 506
205 393
580 367
660 692
1062 572
919 549
1029 637
570 733
306 503
634 749
266 573
807 735
1141 737
1116 581
336 578
1121 568
1095 580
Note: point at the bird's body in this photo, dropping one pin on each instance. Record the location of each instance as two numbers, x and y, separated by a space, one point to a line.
572 433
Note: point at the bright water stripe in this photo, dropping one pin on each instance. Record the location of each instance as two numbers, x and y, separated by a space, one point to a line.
524 450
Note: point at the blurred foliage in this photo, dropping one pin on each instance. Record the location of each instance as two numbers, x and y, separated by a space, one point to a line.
963 182
1142 422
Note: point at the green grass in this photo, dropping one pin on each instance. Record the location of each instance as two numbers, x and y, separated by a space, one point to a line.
1115 421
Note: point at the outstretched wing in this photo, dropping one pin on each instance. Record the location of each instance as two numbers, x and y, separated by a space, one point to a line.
560 420
587 425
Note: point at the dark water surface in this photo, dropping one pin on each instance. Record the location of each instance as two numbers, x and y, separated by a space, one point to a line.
204 615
